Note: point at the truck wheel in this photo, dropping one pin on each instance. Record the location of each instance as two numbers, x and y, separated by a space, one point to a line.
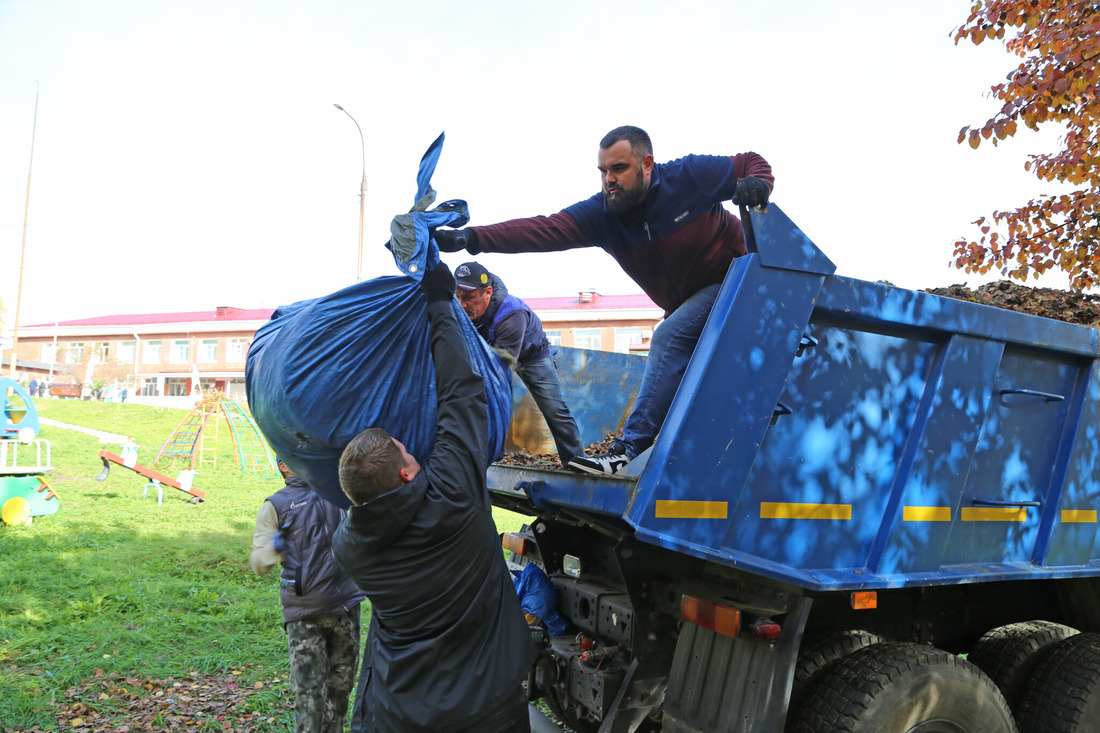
1063 695
1008 654
818 652
896 687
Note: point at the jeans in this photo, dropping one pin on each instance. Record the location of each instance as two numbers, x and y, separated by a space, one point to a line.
541 378
669 353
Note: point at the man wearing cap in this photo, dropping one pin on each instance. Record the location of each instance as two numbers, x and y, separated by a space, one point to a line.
320 602
507 323
666 226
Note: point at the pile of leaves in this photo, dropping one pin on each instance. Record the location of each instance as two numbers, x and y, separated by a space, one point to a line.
1061 305
550 461
129 703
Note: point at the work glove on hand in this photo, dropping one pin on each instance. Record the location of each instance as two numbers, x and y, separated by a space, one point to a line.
452 240
751 192
439 284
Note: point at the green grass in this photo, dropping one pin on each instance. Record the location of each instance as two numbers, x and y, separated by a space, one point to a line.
114 586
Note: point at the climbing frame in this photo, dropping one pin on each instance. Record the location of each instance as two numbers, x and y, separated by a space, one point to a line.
194 442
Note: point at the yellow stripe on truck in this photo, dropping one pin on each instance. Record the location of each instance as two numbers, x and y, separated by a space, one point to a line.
926 514
788 510
680 509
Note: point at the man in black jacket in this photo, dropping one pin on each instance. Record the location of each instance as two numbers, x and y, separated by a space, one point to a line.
320 603
448 646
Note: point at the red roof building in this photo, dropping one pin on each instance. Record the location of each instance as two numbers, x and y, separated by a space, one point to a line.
159 357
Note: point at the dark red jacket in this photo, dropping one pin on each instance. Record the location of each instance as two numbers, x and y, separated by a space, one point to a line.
675 243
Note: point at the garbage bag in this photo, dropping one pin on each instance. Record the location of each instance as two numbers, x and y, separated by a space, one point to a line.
320 371
538 597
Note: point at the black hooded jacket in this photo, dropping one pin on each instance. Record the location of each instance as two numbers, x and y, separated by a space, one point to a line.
447 642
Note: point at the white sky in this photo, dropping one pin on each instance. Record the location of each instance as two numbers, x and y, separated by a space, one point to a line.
188 155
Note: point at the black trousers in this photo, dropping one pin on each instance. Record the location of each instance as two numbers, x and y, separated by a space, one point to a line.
510 717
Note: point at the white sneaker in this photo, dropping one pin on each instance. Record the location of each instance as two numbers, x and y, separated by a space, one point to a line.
604 465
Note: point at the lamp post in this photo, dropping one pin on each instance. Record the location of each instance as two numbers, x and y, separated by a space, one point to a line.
362 193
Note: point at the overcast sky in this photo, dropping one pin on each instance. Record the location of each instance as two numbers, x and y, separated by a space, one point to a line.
188 155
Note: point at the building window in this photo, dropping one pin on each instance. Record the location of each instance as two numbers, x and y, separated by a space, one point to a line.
49 353
181 352
238 350
150 352
625 338
99 352
554 337
74 353
588 338
208 351
125 352
235 389
148 388
175 387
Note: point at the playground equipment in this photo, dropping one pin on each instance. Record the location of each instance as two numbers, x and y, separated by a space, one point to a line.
157 480
194 442
24 459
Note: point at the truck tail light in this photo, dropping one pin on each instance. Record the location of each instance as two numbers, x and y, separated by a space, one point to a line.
515 543
719 619
767 630
864 599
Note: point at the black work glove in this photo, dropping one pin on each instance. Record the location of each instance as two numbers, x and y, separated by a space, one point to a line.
452 240
751 192
439 284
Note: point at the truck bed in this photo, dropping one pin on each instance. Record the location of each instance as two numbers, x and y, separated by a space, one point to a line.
842 434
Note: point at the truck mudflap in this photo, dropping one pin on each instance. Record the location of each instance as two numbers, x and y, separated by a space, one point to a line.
719 684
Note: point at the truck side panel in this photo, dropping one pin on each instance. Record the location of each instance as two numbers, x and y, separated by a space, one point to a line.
840 434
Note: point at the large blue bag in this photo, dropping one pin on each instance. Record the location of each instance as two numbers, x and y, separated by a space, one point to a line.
322 370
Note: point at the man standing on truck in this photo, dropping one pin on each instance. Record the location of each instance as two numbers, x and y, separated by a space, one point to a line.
320 603
506 323
665 225
448 646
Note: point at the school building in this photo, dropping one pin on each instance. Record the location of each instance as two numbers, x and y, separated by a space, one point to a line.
159 357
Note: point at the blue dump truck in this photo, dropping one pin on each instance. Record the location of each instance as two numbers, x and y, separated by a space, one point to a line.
869 509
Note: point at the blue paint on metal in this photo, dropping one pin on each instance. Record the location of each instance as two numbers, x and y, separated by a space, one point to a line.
599 387
960 439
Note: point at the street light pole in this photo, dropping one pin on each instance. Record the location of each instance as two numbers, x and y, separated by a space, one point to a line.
362 193
23 253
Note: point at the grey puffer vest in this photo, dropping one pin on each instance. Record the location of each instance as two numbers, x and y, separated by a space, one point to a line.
311 584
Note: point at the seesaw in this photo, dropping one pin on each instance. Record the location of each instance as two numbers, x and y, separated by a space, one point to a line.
156 478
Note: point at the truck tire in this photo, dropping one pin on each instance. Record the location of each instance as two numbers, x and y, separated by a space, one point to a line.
1008 654
1063 696
897 687
819 651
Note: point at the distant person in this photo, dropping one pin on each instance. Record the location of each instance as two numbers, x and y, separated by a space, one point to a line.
665 225
447 647
320 602
123 394
506 322
32 388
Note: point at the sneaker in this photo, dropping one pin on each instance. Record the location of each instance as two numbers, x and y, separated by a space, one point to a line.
605 464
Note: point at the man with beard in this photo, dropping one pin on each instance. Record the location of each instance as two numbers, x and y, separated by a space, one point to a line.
665 225
508 325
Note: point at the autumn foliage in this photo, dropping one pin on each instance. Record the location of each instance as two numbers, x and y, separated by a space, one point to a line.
1056 82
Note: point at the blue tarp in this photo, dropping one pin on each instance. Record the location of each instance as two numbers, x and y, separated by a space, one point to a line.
322 370
538 597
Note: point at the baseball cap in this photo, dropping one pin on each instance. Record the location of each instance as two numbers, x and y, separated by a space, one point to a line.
471 276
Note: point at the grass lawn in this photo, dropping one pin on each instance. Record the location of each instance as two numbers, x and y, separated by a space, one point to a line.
117 614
